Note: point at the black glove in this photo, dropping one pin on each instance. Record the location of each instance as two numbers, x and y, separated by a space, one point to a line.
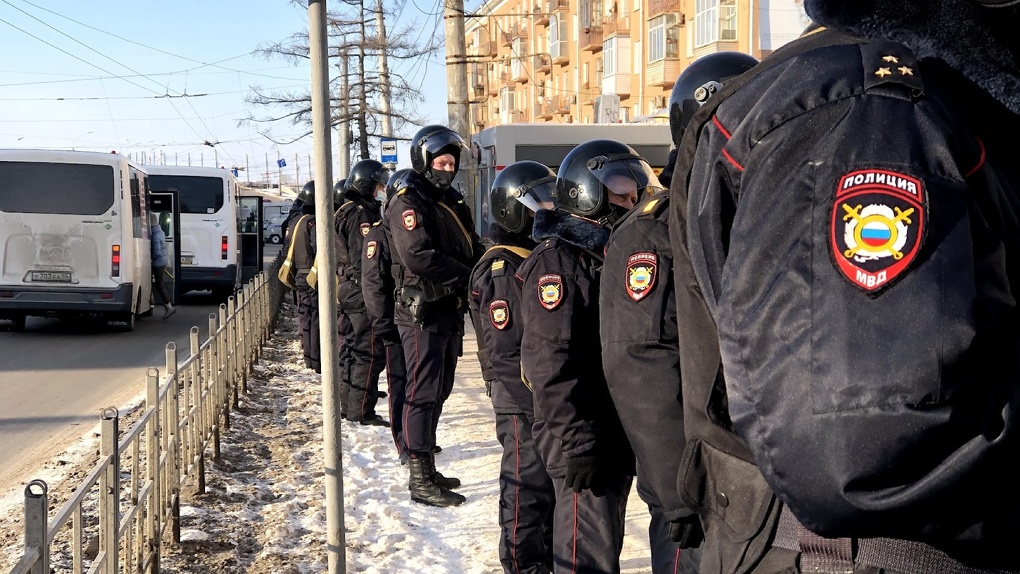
686 532
585 472
488 388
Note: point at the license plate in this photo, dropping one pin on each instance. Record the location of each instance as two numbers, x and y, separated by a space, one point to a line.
187 260
52 276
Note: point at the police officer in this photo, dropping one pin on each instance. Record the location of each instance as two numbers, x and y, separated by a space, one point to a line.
639 336
526 494
434 242
842 253
576 427
303 238
363 353
378 285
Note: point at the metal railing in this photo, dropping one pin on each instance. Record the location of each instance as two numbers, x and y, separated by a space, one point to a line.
131 497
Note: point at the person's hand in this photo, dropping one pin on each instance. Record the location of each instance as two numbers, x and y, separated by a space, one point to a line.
686 532
584 472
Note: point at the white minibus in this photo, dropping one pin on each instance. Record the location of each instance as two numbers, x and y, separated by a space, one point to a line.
74 237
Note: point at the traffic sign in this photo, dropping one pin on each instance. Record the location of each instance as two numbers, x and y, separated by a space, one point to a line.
388 148
281 163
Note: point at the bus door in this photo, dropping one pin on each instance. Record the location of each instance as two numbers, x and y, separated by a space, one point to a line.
165 205
249 236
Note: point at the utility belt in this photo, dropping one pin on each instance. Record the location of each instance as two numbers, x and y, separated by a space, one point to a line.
419 297
837 555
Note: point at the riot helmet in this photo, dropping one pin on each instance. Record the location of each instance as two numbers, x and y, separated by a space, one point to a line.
601 179
306 196
998 3
338 193
365 176
400 180
431 142
700 81
520 187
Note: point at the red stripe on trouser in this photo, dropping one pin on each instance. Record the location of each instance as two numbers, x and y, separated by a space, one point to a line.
371 365
573 552
517 491
389 402
676 561
417 365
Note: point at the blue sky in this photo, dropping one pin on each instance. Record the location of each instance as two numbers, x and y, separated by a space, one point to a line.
93 75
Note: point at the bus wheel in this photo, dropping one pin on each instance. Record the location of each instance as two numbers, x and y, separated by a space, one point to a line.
275 239
124 321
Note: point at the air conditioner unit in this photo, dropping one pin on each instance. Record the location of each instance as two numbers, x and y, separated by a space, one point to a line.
660 101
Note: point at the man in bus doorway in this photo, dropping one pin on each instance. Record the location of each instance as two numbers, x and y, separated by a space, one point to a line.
159 263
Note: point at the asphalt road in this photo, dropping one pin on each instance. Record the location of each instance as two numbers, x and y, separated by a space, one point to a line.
57 376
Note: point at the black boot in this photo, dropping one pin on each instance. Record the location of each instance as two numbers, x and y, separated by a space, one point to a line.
447 482
423 488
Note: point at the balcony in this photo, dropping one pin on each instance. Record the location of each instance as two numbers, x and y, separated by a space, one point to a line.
657 7
540 15
519 31
662 73
490 49
615 25
507 79
544 111
555 6
521 76
560 105
591 39
507 38
519 116
542 63
560 54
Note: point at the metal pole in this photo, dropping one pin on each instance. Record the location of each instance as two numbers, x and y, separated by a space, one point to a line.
345 120
458 105
384 75
336 545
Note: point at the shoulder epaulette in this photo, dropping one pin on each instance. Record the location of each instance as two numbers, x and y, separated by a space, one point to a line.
653 208
891 69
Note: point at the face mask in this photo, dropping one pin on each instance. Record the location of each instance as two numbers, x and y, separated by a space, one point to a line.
443 179
616 213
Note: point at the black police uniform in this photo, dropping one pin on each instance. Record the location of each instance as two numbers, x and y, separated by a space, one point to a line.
642 363
433 241
377 287
765 241
574 414
363 352
526 492
307 297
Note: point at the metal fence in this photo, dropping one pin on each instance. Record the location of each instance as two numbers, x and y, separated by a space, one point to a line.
131 497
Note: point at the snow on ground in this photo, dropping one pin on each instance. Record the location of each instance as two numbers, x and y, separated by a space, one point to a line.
262 512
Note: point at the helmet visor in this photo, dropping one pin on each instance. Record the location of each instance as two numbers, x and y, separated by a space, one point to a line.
538 195
624 175
439 141
382 176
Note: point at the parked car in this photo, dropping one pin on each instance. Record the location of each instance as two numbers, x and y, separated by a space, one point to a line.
274 231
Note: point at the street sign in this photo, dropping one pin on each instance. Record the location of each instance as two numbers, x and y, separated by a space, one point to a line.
388 147
281 163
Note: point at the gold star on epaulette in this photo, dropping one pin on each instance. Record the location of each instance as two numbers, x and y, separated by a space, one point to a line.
883 72
905 71
891 59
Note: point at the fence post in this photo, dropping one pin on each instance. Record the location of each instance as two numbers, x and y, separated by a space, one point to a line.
214 384
174 423
36 519
197 421
109 491
152 456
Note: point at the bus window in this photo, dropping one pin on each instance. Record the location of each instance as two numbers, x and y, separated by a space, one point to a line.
196 194
63 188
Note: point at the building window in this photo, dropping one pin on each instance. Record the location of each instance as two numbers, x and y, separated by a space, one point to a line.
663 38
557 37
517 50
728 20
714 20
585 76
609 57
591 13
506 105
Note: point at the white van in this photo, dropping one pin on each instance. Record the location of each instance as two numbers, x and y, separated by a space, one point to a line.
208 245
74 237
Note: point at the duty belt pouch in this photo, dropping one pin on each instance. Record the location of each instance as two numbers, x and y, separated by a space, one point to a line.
738 511
413 300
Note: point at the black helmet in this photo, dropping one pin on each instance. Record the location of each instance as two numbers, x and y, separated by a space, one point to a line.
338 193
431 142
998 3
699 81
307 195
364 176
596 168
398 181
518 187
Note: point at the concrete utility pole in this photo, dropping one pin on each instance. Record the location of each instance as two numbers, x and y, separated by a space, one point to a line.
345 119
384 75
457 103
336 544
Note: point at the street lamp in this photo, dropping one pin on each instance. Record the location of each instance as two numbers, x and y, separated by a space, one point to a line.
74 142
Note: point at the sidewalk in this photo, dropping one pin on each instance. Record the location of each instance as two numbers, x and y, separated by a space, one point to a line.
262 512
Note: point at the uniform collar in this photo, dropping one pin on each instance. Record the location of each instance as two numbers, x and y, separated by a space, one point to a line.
577 231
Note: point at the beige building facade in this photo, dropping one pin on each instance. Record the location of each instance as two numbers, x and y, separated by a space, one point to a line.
605 61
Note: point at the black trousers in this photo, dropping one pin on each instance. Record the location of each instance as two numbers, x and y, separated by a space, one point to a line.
308 322
667 558
345 336
396 380
588 529
526 500
159 286
431 361
366 357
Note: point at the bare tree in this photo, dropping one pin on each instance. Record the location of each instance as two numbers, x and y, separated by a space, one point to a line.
352 32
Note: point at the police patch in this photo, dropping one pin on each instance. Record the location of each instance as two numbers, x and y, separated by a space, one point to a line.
370 249
410 219
877 227
642 269
365 228
499 314
550 291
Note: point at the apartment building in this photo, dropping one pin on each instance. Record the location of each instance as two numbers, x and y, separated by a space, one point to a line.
605 61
